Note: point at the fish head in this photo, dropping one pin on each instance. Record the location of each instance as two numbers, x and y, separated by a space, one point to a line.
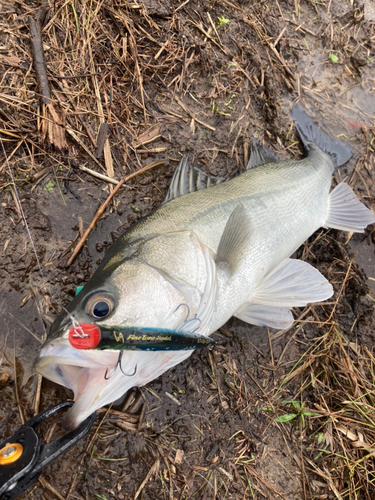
163 283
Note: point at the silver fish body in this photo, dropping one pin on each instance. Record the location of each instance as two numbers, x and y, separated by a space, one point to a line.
195 262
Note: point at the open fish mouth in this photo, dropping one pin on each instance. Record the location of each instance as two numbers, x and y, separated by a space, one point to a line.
84 372
95 377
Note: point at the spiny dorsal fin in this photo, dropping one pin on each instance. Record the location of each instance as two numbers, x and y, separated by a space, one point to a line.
188 179
260 155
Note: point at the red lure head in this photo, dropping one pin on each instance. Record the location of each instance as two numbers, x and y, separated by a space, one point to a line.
84 336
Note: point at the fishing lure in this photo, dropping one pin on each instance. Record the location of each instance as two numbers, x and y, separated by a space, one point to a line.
91 336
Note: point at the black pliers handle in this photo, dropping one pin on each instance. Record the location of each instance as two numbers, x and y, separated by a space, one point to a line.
23 457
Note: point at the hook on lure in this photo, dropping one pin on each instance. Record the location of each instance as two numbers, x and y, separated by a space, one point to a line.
188 321
107 377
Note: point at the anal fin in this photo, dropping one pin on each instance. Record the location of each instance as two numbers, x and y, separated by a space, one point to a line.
346 212
274 317
293 283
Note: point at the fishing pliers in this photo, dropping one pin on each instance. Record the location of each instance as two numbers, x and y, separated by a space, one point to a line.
23 457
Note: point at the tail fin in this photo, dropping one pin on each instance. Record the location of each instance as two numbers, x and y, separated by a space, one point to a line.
310 132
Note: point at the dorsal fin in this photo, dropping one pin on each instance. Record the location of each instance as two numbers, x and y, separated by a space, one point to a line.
188 179
260 155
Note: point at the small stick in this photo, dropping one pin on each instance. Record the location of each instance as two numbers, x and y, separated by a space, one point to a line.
83 146
182 105
267 485
53 120
99 176
37 395
279 37
39 59
106 147
101 209
151 151
246 152
8 158
46 485
17 205
98 214
154 470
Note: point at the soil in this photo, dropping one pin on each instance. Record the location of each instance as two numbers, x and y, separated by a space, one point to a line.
205 429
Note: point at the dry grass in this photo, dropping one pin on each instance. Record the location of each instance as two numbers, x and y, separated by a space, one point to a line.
336 407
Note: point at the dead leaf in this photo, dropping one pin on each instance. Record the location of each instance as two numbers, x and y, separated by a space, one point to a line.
12 60
179 456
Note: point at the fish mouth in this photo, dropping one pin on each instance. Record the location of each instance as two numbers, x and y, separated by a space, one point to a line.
84 372
95 377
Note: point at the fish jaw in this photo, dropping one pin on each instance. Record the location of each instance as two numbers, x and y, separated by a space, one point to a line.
88 374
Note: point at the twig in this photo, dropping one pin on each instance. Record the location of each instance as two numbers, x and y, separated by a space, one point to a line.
192 115
151 472
49 487
340 292
101 209
38 394
98 214
39 59
82 144
252 472
25 327
7 158
53 121
107 149
99 176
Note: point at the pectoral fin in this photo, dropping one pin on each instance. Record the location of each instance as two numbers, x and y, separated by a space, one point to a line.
235 238
292 283
346 212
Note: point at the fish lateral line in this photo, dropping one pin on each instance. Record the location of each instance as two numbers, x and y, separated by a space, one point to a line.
102 337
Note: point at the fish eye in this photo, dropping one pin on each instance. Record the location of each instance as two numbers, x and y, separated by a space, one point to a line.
100 306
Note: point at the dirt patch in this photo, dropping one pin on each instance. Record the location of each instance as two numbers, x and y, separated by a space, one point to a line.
173 79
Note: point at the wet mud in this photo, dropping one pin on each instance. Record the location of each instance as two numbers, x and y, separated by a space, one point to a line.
205 429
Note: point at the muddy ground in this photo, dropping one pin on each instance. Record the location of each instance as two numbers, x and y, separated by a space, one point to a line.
200 79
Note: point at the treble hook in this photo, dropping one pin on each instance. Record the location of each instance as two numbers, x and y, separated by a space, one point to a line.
187 320
188 311
194 318
119 364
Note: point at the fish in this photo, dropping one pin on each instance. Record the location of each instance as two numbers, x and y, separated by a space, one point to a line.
214 249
